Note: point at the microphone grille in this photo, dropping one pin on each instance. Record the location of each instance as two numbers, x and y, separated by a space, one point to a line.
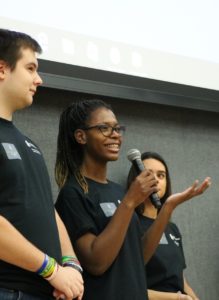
133 154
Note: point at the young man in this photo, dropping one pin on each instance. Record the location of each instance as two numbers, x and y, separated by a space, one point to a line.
33 239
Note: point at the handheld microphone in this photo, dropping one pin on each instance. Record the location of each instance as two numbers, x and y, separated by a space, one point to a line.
134 156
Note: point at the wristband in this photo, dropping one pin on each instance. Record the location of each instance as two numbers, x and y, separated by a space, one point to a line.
53 274
73 262
74 266
45 262
48 267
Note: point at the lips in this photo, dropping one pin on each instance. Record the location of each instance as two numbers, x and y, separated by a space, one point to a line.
33 91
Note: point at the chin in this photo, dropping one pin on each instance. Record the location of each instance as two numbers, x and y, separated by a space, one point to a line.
113 157
27 103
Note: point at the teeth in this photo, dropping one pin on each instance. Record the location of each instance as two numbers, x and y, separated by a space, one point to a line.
113 146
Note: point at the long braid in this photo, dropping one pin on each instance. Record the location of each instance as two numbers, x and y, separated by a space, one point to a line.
69 152
81 181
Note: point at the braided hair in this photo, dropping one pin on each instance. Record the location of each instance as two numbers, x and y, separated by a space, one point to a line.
70 155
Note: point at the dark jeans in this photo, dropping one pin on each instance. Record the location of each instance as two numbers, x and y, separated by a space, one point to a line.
6 294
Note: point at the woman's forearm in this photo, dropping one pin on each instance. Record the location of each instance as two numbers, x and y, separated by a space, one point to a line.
189 291
155 295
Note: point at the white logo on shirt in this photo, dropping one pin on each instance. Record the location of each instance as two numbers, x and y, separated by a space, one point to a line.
32 147
174 239
163 240
108 208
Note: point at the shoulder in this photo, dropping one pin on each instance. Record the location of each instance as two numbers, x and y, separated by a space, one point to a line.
70 197
29 141
173 227
71 187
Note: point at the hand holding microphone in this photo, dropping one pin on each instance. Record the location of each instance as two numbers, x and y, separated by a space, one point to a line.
134 156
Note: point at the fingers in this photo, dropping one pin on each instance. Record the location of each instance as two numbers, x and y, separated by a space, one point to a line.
205 184
68 284
146 179
194 190
141 188
60 295
199 189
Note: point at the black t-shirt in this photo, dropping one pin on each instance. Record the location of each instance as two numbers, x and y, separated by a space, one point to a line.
164 271
82 213
26 202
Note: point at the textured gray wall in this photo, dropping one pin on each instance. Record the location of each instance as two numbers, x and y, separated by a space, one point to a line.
188 140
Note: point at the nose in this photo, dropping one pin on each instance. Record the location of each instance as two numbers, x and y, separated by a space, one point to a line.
156 177
115 133
38 80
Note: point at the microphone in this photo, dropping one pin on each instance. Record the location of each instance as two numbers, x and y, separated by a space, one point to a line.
134 156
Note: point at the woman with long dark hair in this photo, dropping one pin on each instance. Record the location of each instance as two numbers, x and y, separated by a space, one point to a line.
99 216
164 271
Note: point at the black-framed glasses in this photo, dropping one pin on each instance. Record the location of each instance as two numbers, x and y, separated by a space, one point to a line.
107 130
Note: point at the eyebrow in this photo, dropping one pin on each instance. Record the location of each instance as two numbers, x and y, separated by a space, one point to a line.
159 171
107 124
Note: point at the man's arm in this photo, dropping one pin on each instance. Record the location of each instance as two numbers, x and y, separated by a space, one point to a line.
25 255
67 250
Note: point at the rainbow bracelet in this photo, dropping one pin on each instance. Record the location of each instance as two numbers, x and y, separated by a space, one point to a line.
48 268
73 262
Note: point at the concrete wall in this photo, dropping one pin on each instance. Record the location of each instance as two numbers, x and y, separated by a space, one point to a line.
188 140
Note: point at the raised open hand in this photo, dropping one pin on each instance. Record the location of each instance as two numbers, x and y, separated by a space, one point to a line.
192 191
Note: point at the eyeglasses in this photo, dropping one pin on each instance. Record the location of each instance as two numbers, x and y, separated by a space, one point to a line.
107 130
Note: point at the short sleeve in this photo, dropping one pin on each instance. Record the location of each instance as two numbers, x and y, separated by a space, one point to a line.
72 206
